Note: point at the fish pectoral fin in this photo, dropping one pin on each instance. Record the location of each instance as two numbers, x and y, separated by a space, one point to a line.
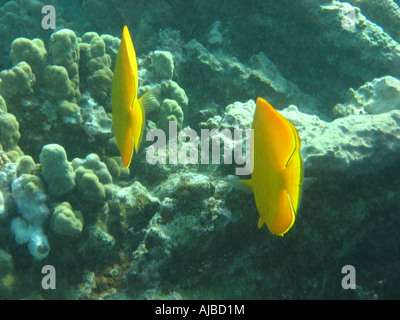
149 102
240 184
260 223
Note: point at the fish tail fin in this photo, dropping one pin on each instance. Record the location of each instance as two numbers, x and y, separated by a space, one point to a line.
149 102
240 184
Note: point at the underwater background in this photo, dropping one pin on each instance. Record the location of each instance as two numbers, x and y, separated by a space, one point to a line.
180 231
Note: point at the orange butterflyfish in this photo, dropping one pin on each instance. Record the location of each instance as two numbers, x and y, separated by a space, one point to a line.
128 111
277 175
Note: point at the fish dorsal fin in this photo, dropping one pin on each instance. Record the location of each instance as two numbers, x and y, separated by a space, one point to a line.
131 60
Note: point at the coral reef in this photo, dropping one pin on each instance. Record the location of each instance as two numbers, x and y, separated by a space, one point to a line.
97 124
92 177
2 207
260 78
8 279
56 169
347 144
170 110
19 18
62 111
384 13
57 84
25 165
378 96
9 134
163 64
29 195
17 81
96 66
65 221
32 52
3 107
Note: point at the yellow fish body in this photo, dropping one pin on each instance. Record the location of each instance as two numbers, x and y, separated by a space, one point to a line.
277 175
127 110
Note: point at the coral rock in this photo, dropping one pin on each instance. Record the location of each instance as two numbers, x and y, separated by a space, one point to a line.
56 169
91 189
8 278
378 96
3 106
100 84
163 64
9 131
91 176
57 84
31 51
170 110
28 194
17 81
25 165
65 221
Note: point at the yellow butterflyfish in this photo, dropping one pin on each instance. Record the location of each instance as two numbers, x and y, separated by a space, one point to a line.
277 175
127 110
